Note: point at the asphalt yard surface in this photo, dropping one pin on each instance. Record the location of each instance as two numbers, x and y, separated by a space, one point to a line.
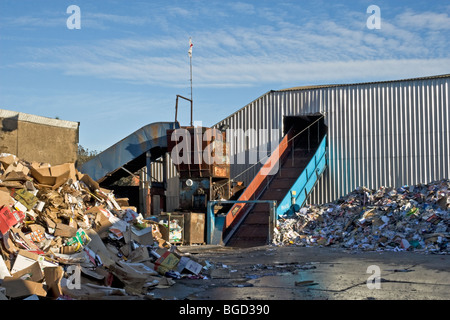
316 273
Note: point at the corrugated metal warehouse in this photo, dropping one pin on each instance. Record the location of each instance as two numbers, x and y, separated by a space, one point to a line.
387 133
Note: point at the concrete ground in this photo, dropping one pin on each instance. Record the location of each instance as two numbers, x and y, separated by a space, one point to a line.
299 273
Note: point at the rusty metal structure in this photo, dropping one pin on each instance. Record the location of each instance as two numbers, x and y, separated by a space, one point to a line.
203 176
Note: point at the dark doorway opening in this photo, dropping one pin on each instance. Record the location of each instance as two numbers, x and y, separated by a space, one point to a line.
309 130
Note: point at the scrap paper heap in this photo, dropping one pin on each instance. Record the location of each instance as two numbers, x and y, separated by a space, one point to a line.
57 224
414 218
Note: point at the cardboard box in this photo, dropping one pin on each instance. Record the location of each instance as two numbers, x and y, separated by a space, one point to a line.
143 237
54 176
133 275
104 219
7 161
138 268
24 242
4 272
26 258
16 288
26 198
9 246
20 168
9 218
189 265
160 233
123 202
35 236
53 276
193 267
91 183
32 272
166 262
39 206
118 230
80 238
139 255
96 244
39 229
194 228
11 184
15 176
69 249
5 197
20 207
64 230
129 207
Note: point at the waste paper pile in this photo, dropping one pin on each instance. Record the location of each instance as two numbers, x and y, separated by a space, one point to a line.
64 237
414 218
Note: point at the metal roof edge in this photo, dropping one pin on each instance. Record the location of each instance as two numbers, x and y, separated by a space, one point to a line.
311 87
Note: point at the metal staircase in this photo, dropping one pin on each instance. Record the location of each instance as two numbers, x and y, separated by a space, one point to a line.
302 160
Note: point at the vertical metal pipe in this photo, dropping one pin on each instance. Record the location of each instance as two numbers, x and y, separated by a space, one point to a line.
192 99
148 197
143 176
176 109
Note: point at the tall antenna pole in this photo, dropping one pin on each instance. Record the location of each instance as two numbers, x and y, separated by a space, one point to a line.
190 64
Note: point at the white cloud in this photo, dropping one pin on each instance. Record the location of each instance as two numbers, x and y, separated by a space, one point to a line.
30 21
250 71
93 20
424 20
100 18
178 11
269 53
242 7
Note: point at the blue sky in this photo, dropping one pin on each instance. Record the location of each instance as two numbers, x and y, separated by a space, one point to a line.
125 66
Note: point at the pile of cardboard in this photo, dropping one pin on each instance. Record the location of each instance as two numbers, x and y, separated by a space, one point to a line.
62 236
414 218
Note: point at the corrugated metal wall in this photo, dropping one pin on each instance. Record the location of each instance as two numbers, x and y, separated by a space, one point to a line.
380 134
172 188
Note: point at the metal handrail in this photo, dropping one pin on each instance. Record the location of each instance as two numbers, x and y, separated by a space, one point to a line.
304 184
